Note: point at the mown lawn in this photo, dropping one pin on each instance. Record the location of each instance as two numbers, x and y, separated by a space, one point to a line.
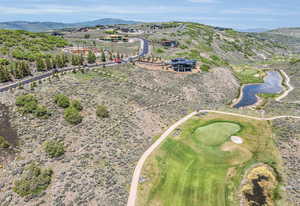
201 166
249 76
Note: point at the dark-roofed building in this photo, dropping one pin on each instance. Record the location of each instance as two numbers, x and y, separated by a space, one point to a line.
169 43
183 65
55 33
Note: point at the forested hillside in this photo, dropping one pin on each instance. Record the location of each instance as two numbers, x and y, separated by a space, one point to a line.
20 51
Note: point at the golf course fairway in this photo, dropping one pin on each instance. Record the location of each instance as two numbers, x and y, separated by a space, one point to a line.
201 166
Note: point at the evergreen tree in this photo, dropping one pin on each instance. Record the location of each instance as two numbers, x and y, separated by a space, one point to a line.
81 60
74 60
48 62
40 64
54 63
65 60
26 68
59 61
103 58
4 74
91 57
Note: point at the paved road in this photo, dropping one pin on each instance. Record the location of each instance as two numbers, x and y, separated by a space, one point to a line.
138 169
180 28
144 51
137 172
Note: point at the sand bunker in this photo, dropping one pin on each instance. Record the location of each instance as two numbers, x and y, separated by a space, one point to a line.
237 140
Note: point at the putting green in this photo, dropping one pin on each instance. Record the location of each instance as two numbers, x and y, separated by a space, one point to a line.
202 167
217 133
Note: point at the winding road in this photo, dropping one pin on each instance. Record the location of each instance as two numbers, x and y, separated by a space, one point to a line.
138 170
143 51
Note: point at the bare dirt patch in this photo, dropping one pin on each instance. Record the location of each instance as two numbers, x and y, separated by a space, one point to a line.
9 133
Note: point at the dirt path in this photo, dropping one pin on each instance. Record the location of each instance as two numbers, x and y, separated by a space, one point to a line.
288 83
138 169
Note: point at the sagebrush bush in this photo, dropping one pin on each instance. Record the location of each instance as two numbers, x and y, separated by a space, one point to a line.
54 148
72 115
3 143
22 100
42 111
102 111
29 104
33 181
62 101
77 105
205 67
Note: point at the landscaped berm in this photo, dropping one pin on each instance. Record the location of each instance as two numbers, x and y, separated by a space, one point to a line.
199 165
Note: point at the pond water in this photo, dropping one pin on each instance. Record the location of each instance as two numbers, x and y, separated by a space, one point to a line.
272 85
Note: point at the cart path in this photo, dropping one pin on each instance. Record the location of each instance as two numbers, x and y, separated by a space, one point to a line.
288 83
138 170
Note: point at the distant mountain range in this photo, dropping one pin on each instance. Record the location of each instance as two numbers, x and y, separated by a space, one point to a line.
46 26
254 30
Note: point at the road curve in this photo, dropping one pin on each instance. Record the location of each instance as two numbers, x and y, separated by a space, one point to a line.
138 169
137 172
144 51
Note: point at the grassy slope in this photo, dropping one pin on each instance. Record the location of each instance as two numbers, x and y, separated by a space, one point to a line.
185 172
212 46
248 75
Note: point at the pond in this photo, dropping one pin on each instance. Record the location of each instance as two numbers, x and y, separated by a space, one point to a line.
272 85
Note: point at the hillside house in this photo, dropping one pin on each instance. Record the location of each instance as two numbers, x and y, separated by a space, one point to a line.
169 43
115 38
84 29
82 51
183 65
55 33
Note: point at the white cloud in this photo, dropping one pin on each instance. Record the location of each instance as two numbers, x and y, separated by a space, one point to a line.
106 9
260 11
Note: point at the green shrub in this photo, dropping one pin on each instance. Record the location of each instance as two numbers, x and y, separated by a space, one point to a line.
102 111
3 143
30 107
4 61
205 67
33 181
72 115
160 50
62 100
183 46
22 100
27 102
77 105
54 148
42 111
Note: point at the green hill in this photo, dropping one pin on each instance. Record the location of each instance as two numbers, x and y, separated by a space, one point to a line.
214 46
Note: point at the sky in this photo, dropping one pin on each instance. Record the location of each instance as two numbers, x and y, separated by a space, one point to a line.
238 14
